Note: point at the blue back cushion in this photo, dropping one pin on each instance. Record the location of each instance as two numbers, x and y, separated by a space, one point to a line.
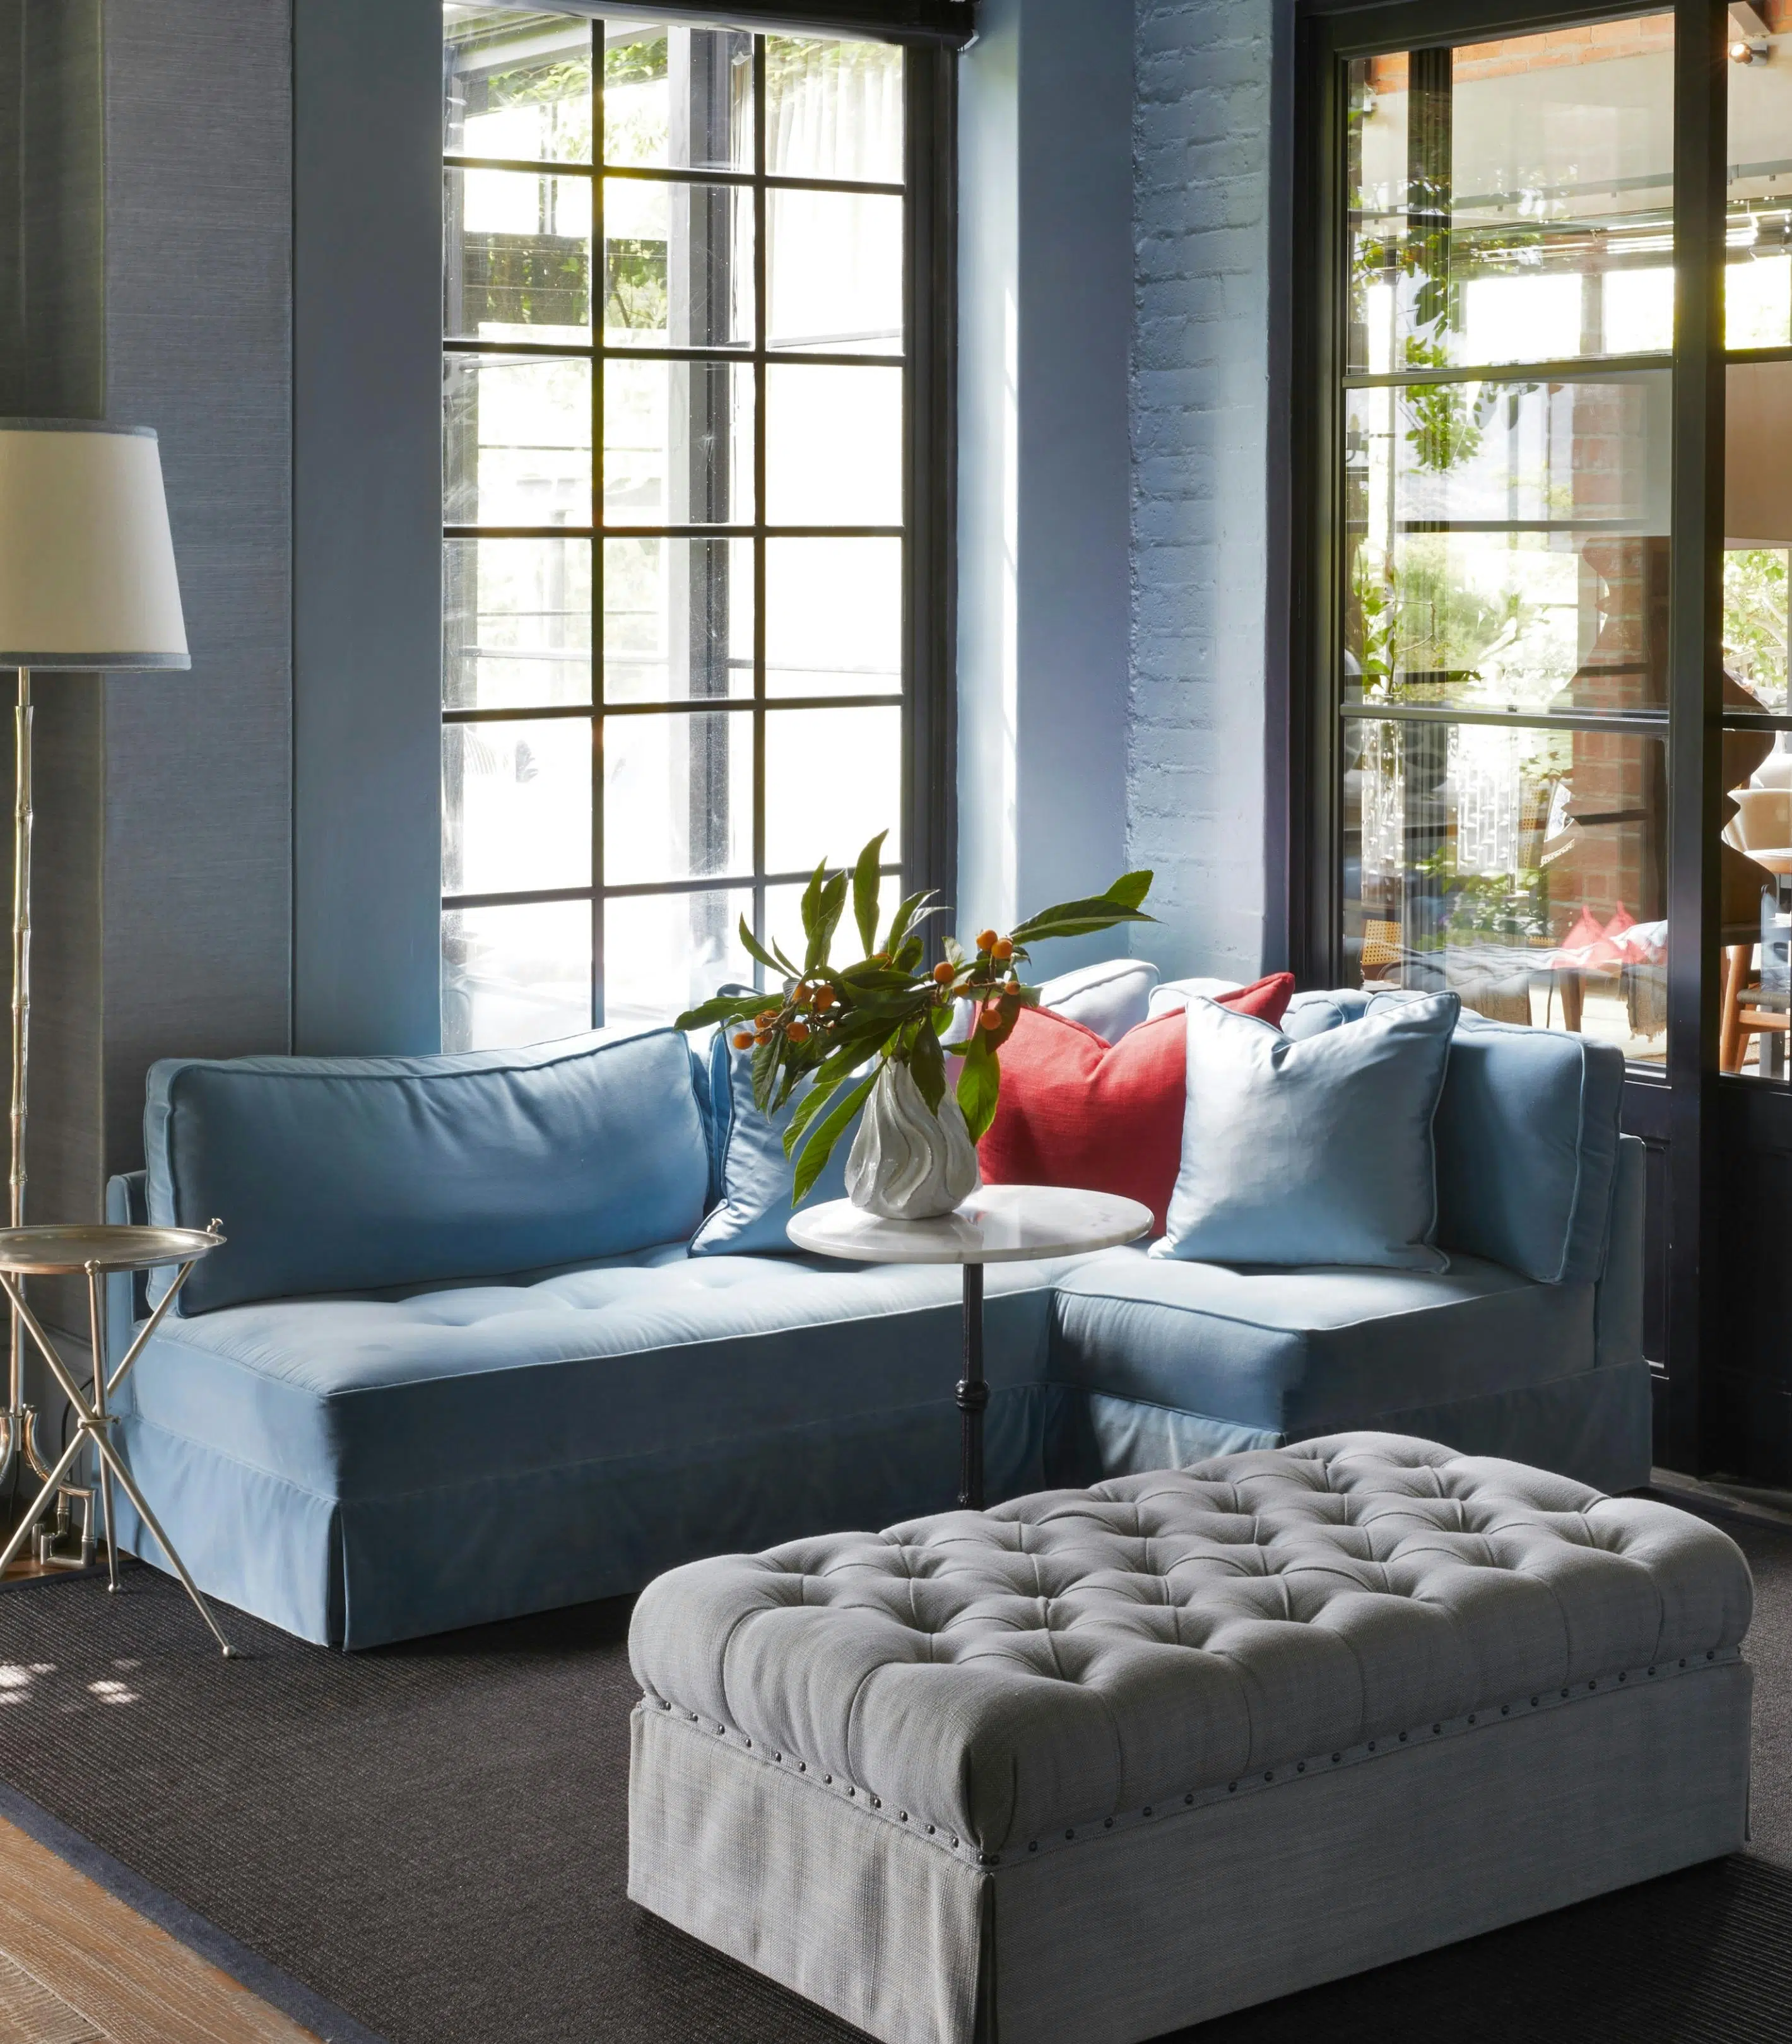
753 1179
1527 1135
341 1174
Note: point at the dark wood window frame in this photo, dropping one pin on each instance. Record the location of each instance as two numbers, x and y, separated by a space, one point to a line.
1696 1122
930 32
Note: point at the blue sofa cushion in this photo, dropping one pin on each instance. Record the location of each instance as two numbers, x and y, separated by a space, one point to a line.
754 1179
337 1174
1527 1135
1290 1352
643 1355
1313 1151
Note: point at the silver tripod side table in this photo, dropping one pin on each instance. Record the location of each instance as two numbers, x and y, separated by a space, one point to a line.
95 1252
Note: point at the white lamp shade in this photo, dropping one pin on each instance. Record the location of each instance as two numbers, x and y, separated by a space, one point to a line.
87 578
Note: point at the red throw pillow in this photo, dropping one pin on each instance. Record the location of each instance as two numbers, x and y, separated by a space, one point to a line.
1077 1110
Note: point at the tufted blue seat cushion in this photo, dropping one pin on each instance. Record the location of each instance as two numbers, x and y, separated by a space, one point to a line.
1304 1351
1077 1657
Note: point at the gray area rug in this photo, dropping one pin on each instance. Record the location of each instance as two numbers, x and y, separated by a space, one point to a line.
433 1839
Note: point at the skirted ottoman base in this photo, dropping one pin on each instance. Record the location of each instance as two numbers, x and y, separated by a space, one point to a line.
1097 1765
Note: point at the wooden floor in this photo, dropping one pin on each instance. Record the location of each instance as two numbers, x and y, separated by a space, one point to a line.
78 1967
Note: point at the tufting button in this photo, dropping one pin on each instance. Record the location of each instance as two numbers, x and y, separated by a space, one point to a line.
955 1845
1437 1730
851 1791
693 1717
1564 1693
802 1767
1371 1745
1622 1676
1533 1703
1300 1767
1147 1809
877 1803
1505 1710
1651 1671
1402 1738
778 1758
1335 1759
1107 1823
930 1831
1033 1844
748 1740
1070 1834
1593 1685
829 1779
1682 1663
1712 1655
1268 1775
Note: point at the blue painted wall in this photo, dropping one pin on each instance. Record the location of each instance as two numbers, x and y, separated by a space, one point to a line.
1205 341
1045 485
366 525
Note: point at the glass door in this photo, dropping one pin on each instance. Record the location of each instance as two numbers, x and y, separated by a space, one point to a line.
1504 415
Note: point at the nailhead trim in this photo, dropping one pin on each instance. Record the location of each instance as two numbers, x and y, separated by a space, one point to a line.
1151 1812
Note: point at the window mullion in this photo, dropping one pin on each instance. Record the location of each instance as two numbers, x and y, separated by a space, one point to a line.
760 331
597 299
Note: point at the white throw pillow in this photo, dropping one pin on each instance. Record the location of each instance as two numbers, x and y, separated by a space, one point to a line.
1312 1151
1175 995
1110 998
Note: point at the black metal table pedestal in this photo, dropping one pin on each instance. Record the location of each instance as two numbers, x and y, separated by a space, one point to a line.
973 1394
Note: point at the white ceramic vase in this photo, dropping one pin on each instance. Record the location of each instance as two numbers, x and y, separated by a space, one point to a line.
909 1163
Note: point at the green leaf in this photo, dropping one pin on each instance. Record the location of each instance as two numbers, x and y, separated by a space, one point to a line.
725 1007
765 1071
907 913
954 951
928 1062
867 886
980 1086
828 911
1131 889
755 949
1077 918
812 901
826 1084
820 1147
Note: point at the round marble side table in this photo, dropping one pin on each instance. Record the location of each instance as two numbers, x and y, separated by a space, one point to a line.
1000 1224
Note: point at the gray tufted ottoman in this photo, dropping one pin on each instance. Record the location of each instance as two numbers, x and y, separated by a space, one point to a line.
1098 1764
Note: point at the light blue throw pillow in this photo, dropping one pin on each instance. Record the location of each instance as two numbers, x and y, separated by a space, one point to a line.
754 1177
1316 1151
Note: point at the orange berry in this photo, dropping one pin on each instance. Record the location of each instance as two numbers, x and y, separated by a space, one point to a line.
803 996
798 1032
825 998
985 940
744 1041
1002 949
765 1020
944 973
762 1037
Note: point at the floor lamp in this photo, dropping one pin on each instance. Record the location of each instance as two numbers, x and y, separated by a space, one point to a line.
87 585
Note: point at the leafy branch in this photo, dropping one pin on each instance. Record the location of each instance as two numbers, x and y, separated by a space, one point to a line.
828 1022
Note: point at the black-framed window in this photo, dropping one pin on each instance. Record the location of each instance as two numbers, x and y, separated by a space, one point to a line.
697 468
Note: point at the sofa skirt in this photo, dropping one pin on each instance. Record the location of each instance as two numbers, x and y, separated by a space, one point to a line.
364 1571
1182 1914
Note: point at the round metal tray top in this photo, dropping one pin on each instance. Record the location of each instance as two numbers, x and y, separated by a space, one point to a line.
55 1251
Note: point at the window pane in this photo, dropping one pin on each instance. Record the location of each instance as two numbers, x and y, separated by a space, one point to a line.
783 921
833 778
517 256
1512 200
1755 884
516 623
677 619
515 441
1524 870
516 806
512 976
1508 544
678 265
679 98
833 446
677 443
678 797
517 85
833 109
1758 280
833 618
664 953
834 265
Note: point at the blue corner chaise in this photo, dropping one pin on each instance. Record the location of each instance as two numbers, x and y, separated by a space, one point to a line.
456 1362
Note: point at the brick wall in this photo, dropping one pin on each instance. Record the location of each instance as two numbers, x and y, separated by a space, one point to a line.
1196 738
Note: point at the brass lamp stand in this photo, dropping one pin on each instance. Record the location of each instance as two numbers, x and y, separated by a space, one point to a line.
87 585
